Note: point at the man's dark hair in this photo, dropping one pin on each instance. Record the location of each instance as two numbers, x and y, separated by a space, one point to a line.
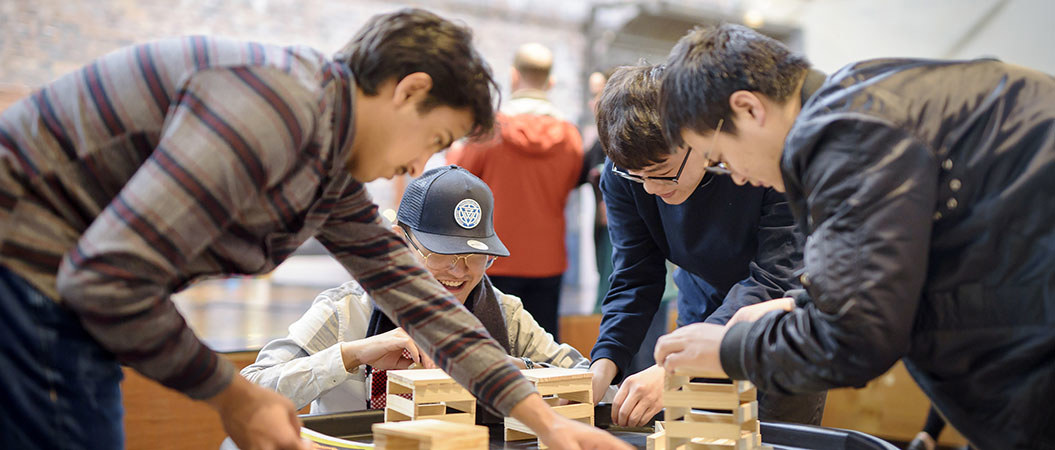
394 45
628 123
709 64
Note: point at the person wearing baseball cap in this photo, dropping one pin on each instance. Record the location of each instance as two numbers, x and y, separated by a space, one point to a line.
336 355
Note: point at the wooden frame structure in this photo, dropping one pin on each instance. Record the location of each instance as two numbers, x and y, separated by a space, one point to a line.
557 385
434 395
717 414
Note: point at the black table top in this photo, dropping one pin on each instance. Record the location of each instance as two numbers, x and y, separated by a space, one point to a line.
355 426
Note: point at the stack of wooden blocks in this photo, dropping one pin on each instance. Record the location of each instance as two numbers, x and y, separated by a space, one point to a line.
730 421
557 386
434 395
429 434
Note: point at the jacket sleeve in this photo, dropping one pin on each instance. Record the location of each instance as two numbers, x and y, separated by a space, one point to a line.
778 257
638 276
869 190
308 362
529 340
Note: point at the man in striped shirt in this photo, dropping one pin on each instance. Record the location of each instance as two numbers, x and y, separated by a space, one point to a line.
160 164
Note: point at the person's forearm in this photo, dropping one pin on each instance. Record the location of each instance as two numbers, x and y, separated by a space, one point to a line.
604 369
535 413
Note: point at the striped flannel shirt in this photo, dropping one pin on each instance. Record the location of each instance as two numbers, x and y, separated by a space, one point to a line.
167 162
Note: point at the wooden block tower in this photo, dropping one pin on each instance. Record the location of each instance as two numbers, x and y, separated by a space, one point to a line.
574 386
434 395
730 421
429 434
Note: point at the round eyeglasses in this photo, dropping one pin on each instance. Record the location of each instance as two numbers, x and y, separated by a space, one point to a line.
438 261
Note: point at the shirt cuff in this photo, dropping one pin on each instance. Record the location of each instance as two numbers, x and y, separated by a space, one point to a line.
328 367
731 351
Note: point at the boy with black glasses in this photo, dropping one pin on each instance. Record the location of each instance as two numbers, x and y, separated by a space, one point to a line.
733 245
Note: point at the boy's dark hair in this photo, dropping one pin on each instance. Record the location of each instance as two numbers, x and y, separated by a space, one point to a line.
394 45
628 124
707 65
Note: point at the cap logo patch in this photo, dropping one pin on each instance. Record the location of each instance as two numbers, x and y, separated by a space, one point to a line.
467 214
476 244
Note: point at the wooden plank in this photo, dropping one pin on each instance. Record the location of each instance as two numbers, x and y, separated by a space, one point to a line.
579 396
517 435
463 418
401 405
684 429
441 393
429 430
420 377
720 388
392 415
575 411
744 413
563 388
556 374
656 441
468 406
704 400
430 409
395 387
674 382
697 373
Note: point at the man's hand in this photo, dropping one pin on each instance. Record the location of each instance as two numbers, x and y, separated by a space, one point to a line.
754 312
561 433
383 351
639 398
693 347
257 418
604 371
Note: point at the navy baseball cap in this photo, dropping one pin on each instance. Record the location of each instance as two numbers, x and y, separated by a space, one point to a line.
451 211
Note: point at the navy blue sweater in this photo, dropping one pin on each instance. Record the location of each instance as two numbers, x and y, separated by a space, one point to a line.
733 245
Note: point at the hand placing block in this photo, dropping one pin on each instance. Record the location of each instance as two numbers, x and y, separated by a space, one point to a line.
568 391
434 395
429 434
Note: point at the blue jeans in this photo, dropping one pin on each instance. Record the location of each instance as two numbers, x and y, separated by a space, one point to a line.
58 388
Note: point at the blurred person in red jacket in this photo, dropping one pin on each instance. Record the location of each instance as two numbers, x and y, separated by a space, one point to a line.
531 164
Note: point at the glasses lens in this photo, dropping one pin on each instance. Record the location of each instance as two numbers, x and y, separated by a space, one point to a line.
474 261
628 176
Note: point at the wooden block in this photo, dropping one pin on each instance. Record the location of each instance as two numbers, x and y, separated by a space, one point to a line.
575 411
555 384
442 393
656 441
516 435
708 430
742 414
420 377
702 400
553 374
432 392
429 434
674 382
700 373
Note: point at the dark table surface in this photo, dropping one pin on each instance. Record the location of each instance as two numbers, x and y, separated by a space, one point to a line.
355 426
